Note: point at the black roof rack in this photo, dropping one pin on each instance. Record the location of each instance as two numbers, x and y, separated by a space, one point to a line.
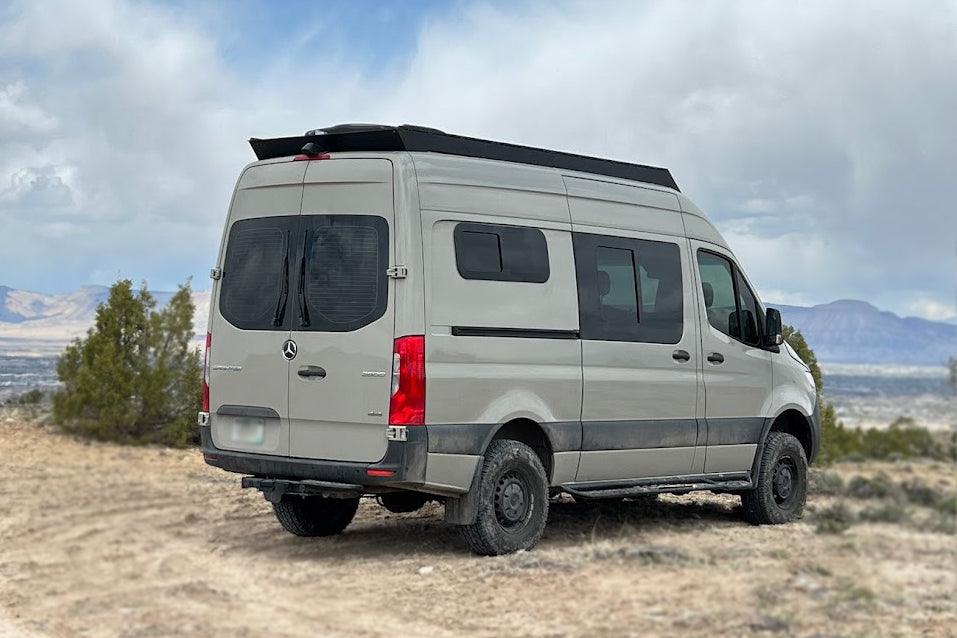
377 137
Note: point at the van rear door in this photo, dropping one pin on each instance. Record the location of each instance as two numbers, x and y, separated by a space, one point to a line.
340 378
250 320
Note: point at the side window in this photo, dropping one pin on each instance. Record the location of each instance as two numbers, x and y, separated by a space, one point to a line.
617 290
731 306
344 285
254 273
501 253
750 315
629 289
717 287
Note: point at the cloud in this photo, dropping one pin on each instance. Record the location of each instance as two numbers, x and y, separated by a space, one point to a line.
817 135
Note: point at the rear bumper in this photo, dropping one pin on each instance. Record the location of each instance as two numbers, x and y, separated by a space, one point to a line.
406 460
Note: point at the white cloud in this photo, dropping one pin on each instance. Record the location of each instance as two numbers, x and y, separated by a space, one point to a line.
818 135
932 308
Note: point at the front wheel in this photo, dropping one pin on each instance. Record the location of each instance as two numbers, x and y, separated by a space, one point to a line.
781 489
315 515
512 501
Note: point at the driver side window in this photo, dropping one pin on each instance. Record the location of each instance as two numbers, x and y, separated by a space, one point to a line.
731 306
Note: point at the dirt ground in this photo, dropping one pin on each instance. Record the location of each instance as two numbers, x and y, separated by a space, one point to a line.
100 540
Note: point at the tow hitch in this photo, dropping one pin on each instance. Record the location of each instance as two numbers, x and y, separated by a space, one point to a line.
274 489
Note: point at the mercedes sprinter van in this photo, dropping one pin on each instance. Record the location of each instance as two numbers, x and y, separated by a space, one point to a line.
419 316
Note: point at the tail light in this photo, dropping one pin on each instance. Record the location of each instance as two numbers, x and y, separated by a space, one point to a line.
209 341
407 406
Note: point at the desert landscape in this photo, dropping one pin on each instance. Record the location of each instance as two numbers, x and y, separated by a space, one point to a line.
103 540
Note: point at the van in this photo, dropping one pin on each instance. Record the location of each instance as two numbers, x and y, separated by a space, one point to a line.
416 316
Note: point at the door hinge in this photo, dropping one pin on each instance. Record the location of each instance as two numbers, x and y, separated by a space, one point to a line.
216 273
397 272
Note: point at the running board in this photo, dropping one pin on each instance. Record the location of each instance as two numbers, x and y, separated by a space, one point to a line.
598 491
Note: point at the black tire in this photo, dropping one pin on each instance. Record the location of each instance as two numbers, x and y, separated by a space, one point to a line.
781 491
512 501
403 502
315 515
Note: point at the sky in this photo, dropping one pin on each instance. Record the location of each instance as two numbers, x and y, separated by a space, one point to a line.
819 136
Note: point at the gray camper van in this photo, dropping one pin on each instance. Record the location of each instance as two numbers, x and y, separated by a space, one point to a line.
421 316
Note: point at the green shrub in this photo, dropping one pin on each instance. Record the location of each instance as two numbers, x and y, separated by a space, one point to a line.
824 482
885 513
947 504
920 493
135 377
878 486
31 397
835 519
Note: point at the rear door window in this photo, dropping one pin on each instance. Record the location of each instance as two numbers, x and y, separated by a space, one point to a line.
255 280
343 284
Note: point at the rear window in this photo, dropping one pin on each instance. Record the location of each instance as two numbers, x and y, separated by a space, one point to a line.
254 273
345 285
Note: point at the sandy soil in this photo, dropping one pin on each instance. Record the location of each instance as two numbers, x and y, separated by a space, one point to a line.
99 540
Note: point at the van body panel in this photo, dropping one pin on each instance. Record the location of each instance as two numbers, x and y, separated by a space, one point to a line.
486 187
450 473
496 378
407 243
612 465
700 229
738 389
605 205
246 367
640 383
343 415
730 458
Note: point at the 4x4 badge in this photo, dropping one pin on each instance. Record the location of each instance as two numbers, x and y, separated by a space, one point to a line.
289 349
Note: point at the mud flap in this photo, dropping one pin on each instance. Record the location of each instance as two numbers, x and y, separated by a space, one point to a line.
462 510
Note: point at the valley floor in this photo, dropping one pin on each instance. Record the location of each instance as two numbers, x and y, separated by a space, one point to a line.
102 540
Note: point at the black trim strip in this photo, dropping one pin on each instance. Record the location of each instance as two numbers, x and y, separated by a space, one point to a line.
520 333
735 430
639 435
247 410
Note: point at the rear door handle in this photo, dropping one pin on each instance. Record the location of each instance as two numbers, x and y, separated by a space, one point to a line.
311 371
715 357
681 355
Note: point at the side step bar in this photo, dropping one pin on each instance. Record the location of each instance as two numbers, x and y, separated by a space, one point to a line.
598 491
274 489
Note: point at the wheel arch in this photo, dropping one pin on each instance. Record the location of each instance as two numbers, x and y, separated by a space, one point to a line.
794 422
530 433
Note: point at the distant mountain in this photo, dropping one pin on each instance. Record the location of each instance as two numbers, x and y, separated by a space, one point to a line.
844 331
849 331
36 324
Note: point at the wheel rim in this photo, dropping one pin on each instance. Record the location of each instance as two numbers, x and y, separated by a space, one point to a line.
512 501
783 480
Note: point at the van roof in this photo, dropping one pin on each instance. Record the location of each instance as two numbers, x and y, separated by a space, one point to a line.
377 137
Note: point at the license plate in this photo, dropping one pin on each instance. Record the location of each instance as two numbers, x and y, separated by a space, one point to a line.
249 431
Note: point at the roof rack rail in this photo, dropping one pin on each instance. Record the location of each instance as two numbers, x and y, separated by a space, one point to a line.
378 137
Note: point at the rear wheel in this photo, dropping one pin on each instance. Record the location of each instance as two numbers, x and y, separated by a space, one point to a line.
512 501
781 491
315 515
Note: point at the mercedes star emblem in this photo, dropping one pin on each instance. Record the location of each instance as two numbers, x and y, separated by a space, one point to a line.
289 349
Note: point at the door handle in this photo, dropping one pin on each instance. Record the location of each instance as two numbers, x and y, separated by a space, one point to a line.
311 371
681 355
715 357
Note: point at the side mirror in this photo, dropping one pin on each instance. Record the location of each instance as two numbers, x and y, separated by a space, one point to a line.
772 328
